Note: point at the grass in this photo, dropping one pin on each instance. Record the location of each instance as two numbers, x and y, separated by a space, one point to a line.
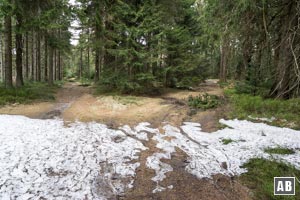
126 100
279 150
27 94
260 178
287 112
227 141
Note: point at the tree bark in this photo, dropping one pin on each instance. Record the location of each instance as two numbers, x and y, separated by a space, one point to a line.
50 79
88 53
284 77
59 65
19 49
97 65
55 65
38 56
32 56
46 60
27 56
81 63
1 61
8 51
224 61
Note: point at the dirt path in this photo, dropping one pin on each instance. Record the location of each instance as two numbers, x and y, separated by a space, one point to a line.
74 102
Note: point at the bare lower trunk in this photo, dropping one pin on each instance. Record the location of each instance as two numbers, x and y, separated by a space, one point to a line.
55 65
50 77
59 66
81 63
1 61
19 49
38 56
8 52
97 65
223 62
27 57
46 60
88 54
32 56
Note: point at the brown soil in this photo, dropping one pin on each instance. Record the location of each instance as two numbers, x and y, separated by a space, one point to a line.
185 185
74 102
30 110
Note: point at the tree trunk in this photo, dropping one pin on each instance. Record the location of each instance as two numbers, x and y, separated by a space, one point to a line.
46 60
27 56
8 51
38 56
32 56
59 65
54 65
81 63
97 65
62 68
50 79
224 61
19 49
1 61
285 79
88 54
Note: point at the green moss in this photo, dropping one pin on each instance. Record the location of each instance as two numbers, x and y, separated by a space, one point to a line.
279 150
260 178
227 141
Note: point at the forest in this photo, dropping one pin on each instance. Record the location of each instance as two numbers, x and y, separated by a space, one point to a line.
142 46
149 99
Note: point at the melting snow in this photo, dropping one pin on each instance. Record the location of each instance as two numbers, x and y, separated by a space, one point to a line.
262 119
45 159
209 156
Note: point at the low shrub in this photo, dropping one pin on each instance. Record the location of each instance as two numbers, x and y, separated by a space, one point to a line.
204 101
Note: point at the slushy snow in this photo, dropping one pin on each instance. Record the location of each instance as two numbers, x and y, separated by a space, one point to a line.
46 159
208 155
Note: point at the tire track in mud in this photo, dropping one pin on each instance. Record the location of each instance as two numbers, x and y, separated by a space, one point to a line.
65 97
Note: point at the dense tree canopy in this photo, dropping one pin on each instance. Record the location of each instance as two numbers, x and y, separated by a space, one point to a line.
142 46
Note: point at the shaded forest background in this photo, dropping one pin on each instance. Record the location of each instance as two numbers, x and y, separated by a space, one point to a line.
142 46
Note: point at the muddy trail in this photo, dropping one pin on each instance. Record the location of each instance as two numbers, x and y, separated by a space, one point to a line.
77 103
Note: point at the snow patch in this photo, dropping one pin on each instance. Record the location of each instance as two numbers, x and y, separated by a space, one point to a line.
208 155
264 119
45 159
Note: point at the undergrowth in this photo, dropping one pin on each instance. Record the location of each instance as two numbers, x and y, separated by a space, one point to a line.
260 178
286 112
30 92
204 101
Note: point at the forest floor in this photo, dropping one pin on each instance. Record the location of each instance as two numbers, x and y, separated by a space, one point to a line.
75 102
78 103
